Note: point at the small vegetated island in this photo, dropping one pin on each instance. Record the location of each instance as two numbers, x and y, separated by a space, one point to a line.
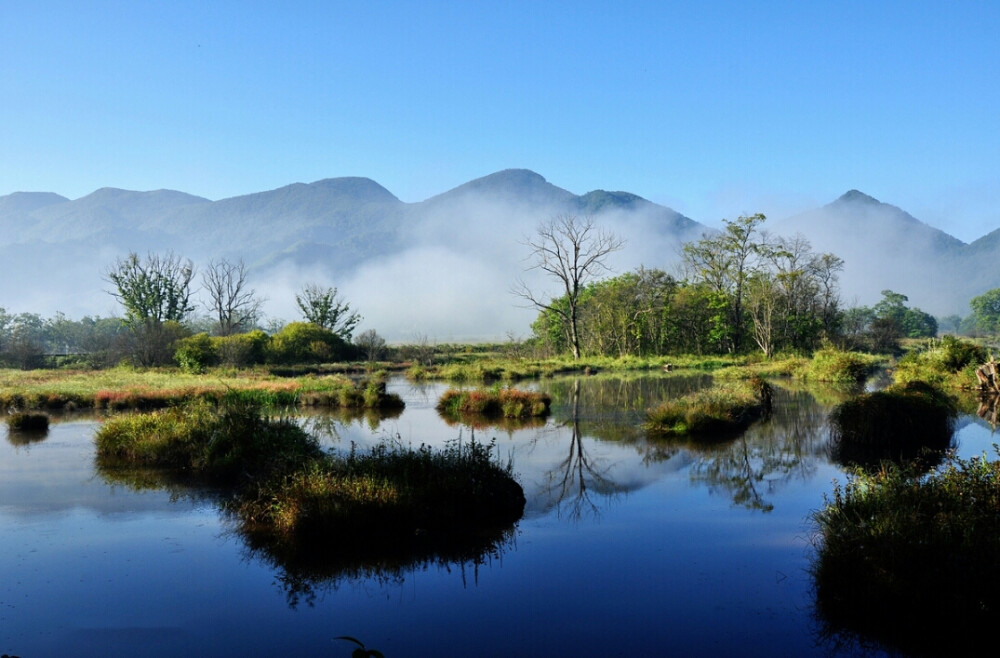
496 402
721 409
284 487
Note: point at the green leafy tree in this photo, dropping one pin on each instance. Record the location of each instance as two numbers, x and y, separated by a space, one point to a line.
154 289
986 311
156 294
725 262
323 308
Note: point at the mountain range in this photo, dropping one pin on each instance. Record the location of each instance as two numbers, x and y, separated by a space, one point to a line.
440 267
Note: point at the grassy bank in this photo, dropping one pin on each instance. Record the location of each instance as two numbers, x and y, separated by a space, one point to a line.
480 369
283 485
494 403
910 560
827 365
124 388
949 363
726 407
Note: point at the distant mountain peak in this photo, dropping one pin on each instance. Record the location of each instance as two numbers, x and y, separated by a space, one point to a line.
598 200
856 196
358 186
509 179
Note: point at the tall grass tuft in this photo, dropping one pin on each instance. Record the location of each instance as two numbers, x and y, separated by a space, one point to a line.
900 423
200 440
911 560
390 491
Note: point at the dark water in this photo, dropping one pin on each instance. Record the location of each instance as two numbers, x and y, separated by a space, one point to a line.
628 546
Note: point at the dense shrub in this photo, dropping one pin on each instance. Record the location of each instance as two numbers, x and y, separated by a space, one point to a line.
241 350
304 342
196 353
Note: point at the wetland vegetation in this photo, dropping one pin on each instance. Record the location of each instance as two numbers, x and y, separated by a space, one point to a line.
684 373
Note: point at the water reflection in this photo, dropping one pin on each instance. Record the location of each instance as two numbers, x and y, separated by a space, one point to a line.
26 437
568 485
751 466
306 570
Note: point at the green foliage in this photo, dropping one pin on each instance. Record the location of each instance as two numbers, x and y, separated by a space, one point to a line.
196 353
898 545
305 342
154 289
242 350
321 307
986 311
900 423
949 363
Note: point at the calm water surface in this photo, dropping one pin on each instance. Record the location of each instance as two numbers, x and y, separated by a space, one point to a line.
628 546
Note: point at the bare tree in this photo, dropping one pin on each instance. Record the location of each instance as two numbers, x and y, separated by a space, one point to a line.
235 306
321 307
571 250
371 344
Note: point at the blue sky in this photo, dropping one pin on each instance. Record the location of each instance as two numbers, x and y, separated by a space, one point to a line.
712 108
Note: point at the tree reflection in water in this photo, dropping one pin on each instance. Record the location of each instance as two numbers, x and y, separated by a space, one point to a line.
749 467
569 484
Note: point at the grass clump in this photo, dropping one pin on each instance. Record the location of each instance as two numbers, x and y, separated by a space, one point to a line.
205 441
900 423
388 491
495 403
726 407
902 556
26 421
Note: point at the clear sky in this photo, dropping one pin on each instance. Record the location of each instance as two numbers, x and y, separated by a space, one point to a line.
712 108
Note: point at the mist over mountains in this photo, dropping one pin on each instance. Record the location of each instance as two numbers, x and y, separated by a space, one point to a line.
440 268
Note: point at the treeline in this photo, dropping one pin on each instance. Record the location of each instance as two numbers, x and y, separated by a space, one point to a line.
742 291
160 326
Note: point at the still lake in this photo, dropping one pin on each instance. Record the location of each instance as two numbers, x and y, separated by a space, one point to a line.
628 545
